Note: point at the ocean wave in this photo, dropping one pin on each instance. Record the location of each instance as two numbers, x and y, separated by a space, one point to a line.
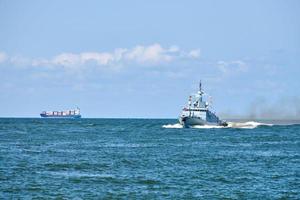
244 125
81 174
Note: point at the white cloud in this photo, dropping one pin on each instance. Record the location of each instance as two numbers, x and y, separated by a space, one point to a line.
229 67
194 53
153 54
174 48
19 60
66 59
99 58
3 57
150 54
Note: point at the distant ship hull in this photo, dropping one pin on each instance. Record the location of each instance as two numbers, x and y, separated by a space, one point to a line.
61 116
69 114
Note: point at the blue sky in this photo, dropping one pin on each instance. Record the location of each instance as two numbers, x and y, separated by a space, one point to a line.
143 59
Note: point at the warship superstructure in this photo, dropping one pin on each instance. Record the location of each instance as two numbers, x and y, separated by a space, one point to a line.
198 112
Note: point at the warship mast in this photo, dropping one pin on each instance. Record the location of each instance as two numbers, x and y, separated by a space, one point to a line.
200 91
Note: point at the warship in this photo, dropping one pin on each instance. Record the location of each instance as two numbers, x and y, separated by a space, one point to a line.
62 114
198 112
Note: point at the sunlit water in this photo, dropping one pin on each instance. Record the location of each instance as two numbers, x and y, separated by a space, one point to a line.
147 159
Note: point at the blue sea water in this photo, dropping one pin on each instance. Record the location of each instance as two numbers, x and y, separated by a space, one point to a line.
146 159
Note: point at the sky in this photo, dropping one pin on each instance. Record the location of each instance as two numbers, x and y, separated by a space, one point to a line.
142 59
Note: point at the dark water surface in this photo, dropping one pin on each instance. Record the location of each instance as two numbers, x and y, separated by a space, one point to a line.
139 159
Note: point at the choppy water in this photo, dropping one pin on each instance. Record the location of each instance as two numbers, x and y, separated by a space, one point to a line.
146 159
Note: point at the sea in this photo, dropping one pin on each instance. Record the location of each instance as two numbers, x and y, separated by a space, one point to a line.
148 159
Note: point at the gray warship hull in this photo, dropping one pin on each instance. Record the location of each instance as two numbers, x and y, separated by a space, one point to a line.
197 121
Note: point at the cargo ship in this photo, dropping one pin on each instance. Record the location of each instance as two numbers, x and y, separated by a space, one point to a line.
70 114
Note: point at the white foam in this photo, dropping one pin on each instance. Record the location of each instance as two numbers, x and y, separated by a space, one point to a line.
207 126
172 126
246 125
196 126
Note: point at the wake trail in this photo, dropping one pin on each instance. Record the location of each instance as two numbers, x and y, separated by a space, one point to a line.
249 124
244 125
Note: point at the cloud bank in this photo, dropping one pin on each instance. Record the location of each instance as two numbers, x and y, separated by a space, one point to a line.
143 55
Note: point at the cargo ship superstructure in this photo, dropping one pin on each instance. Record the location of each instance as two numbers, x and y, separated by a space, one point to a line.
62 114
